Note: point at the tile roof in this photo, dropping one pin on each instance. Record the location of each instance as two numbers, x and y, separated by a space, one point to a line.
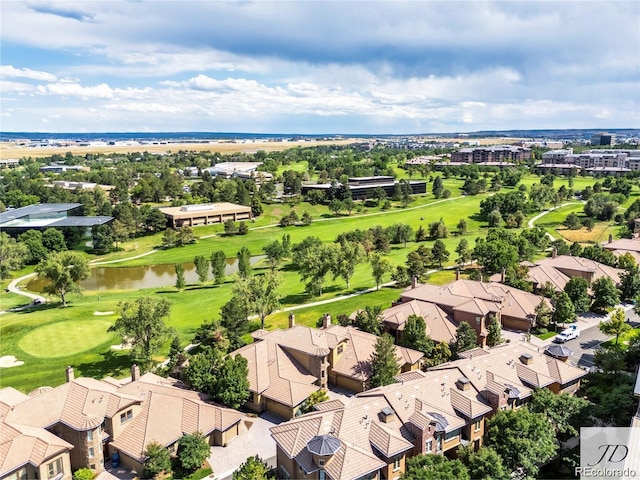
21 444
439 326
81 404
565 263
167 412
276 374
624 244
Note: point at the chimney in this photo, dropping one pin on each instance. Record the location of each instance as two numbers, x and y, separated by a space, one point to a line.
388 415
463 384
554 252
526 358
503 275
457 274
610 238
292 320
135 372
414 282
69 372
326 321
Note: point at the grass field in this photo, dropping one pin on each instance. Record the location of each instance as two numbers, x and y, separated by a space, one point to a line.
48 338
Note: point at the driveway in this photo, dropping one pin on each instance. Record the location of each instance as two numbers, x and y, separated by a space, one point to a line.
254 439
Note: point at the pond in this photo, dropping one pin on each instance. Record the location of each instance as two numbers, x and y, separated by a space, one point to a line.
136 278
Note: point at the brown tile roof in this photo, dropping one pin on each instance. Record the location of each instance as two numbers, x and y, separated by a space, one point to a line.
439 326
167 412
543 274
81 404
624 245
276 374
21 445
564 263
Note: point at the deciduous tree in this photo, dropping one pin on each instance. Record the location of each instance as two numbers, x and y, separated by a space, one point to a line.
180 281
64 271
578 290
380 266
434 467
617 325
218 266
605 295
158 460
466 338
193 450
254 468
244 262
202 268
12 255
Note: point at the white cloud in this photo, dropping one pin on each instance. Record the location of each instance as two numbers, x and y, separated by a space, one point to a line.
9 71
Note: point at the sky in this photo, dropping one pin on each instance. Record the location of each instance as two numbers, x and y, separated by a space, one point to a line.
318 67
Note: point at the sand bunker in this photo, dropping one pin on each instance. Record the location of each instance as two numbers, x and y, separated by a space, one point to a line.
103 313
9 361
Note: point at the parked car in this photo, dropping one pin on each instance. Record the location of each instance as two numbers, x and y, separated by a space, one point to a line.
567 334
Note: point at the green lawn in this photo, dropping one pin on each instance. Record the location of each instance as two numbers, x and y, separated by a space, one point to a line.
624 338
62 339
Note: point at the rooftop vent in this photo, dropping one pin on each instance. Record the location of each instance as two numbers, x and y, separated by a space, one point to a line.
197 208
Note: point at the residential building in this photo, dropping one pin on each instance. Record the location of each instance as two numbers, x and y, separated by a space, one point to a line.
86 421
475 302
558 270
375 432
439 325
205 214
493 155
624 245
286 366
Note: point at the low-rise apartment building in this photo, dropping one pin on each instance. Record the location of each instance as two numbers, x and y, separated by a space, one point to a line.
496 155
373 434
286 366
86 421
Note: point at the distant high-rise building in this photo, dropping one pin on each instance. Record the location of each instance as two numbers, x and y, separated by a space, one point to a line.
603 138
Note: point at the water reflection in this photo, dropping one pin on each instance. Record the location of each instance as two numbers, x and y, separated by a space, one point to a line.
135 278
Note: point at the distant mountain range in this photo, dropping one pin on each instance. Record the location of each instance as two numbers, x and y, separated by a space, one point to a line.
221 136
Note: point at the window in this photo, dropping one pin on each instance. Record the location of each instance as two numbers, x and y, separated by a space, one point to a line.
285 474
91 452
477 320
340 349
18 475
452 434
428 446
321 463
439 443
90 435
396 464
126 416
321 476
55 468
477 425
323 373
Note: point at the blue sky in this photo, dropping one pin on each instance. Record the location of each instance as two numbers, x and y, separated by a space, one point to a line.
318 67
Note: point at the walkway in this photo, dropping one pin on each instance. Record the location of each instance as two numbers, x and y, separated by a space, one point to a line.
13 288
531 222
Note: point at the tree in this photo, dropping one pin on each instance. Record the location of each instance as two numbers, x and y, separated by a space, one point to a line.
157 460
485 464
169 238
524 439
64 271
180 281
234 318
312 400
567 413
12 255
462 227
84 474
218 266
466 338
274 253
437 187
202 268
185 235
563 309
495 254
494 332
53 240
32 240
438 230
230 227
335 206
544 315
416 264
415 336
494 218
244 262
378 195
605 295
141 323
232 383
314 261
193 450
630 283
260 292
572 222
286 244
370 319
434 467
463 251
617 325
254 468
578 290
384 362
306 218
243 228
439 252
380 266
348 256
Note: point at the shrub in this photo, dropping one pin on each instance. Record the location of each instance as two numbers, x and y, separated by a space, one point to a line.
84 474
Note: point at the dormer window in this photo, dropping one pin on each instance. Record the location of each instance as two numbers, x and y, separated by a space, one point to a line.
321 463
